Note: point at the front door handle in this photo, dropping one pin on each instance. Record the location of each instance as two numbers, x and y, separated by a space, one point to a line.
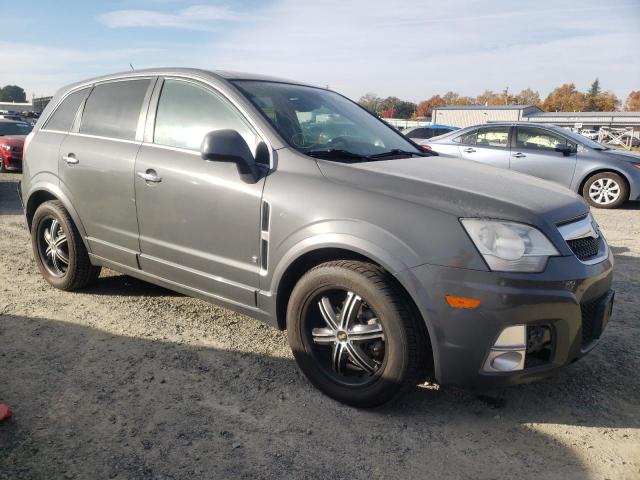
469 150
71 159
149 176
519 155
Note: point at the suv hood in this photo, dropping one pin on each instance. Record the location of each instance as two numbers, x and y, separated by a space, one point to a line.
463 188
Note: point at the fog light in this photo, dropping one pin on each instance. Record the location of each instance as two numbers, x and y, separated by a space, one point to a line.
506 362
508 352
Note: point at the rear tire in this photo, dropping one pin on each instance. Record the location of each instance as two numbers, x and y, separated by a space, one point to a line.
369 360
59 250
605 190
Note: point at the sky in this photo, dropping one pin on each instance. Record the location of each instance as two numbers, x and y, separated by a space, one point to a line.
411 49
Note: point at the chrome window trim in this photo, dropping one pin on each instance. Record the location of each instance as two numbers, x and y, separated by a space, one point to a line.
161 75
99 137
169 147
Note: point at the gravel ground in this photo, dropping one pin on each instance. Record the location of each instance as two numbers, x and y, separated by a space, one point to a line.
130 381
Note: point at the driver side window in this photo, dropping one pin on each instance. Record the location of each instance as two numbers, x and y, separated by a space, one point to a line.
187 111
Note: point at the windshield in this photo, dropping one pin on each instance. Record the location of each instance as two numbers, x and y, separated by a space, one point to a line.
581 139
313 120
10 128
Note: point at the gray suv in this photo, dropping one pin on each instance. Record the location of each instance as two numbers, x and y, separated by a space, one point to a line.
292 204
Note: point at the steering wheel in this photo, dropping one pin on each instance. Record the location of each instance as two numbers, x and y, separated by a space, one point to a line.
344 141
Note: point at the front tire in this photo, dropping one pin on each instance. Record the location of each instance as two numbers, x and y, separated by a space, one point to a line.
353 333
605 190
59 250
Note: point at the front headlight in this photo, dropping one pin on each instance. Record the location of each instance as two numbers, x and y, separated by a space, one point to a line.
6 147
509 246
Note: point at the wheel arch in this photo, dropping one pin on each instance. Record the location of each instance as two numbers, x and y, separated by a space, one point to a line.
41 193
585 178
322 254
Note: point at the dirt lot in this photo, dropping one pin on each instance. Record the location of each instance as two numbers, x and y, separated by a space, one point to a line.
127 380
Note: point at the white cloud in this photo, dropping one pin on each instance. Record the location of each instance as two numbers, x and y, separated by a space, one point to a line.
414 50
195 17
43 70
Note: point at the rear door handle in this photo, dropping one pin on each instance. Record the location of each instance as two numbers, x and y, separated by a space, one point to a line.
149 176
469 150
519 155
71 159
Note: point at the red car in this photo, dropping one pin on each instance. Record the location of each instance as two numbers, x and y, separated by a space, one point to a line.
12 135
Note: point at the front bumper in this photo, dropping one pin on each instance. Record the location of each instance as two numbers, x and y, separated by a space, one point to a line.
557 298
12 163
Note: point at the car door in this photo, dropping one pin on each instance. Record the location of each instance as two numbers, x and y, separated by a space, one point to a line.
96 166
488 145
199 221
534 153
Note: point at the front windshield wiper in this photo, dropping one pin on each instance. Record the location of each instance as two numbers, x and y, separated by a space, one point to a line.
337 154
395 152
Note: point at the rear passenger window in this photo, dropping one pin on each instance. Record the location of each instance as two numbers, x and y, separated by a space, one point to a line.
486 137
187 112
63 117
113 109
493 137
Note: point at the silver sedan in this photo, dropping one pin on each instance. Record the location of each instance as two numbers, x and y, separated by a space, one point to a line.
605 177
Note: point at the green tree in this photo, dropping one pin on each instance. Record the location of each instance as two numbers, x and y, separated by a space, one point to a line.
393 107
12 93
592 96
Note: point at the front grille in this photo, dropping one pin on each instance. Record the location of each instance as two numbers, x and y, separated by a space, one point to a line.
16 149
591 321
585 247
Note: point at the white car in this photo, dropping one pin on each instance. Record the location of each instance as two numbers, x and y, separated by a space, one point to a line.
592 134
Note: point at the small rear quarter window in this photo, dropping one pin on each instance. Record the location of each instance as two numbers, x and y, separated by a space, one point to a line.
63 117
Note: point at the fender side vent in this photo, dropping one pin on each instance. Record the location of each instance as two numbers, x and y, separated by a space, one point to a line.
264 249
266 211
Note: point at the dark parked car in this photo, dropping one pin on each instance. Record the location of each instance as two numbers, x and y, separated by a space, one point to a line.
12 137
604 176
294 205
429 131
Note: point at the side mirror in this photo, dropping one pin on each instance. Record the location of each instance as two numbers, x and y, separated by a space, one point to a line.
564 150
229 146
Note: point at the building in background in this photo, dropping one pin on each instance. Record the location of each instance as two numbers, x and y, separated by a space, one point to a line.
16 107
40 102
467 115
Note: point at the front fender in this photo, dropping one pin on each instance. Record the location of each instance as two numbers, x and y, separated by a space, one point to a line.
365 239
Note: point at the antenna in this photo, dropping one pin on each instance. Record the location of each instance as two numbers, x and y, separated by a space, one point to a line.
131 66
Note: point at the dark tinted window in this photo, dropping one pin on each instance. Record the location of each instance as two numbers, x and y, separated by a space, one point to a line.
113 109
14 128
541 139
63 117
186 112
421 133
